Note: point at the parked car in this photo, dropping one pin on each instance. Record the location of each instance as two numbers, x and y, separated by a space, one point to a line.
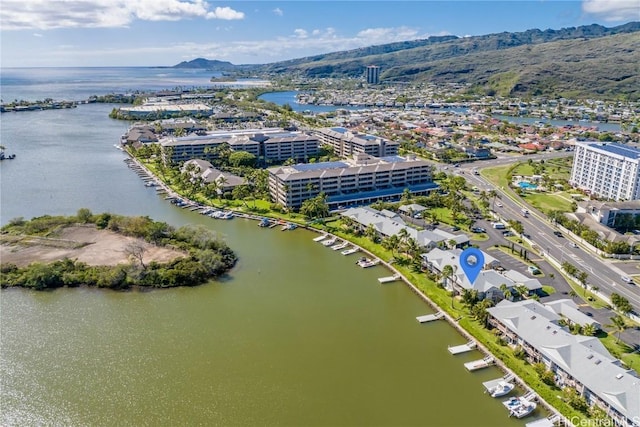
478 230
533 269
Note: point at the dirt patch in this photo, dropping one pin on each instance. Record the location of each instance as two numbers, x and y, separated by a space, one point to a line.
83 243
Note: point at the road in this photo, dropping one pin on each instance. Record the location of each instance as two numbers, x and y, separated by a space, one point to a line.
602 273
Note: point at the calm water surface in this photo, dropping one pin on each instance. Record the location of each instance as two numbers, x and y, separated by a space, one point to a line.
296 335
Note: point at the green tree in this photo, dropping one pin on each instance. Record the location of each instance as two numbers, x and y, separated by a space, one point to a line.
619 325
242 158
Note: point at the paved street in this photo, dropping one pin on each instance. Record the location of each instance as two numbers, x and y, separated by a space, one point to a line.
603 273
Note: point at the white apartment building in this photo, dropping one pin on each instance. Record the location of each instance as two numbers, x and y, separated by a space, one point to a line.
361 180
271 144
607 170
346 143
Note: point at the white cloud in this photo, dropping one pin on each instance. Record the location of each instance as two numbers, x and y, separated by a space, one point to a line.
300 33
37 35
48 14
225 13
278 11
613 10
259 51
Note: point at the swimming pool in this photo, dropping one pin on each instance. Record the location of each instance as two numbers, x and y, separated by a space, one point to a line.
527 185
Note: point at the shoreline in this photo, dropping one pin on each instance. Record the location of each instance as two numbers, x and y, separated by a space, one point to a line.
450 320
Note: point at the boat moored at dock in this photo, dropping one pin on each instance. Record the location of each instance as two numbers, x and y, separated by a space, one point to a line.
367 262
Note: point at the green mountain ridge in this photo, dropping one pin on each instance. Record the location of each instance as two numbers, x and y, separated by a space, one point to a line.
589 61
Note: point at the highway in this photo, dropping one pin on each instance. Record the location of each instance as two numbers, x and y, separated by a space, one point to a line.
602 273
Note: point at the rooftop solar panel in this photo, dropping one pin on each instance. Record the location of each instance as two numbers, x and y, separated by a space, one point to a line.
621 150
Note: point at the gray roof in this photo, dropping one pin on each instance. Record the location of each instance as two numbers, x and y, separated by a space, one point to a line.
584 358
569 309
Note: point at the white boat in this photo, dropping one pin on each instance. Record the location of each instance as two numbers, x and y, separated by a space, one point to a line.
330 242
520 407
350 251
367 262
320 238
339 246
501 389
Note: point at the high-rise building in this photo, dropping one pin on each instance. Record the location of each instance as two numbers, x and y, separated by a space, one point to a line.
607 170
373 74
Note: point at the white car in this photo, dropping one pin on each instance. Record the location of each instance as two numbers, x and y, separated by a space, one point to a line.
498 204
627 280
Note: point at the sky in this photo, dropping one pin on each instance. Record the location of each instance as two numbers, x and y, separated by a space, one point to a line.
77 33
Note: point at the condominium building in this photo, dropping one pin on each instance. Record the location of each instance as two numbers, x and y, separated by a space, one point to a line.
607 170
362 179
271 144
577 361
346 143
373 74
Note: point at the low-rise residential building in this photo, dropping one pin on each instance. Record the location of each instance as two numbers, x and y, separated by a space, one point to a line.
346 143
607 170
488 284
577 361
206 173
166 109
611 214
387 223
361 180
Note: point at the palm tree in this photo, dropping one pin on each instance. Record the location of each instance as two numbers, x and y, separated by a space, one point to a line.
493 194
371 233
589 329
522 290
506 291
619 325
447 271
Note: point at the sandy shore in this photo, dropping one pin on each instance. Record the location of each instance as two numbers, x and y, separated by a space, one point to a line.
83 243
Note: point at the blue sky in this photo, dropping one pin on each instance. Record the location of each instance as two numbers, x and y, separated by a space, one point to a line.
40 33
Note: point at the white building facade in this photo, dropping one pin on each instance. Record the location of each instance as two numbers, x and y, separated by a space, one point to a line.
361 180
607 170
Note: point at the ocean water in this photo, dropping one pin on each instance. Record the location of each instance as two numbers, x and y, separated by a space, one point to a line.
79 83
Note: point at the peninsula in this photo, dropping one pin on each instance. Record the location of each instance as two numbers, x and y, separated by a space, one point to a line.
109 251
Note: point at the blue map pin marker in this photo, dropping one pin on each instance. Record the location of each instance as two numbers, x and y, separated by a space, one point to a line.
472 261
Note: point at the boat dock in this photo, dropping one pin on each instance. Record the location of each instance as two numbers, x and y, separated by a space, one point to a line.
479 364
320 238
457 349
350 251
491 384
430 317
389 279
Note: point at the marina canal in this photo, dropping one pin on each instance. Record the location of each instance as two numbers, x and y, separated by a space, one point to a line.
296 335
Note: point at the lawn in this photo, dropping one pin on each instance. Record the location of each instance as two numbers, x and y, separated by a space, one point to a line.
548 201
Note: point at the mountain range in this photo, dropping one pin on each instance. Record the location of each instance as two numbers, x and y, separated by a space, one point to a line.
579 62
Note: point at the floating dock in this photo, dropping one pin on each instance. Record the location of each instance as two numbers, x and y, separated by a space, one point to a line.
389 279
320 238
479 364
489 385
457 349
350 251
430 317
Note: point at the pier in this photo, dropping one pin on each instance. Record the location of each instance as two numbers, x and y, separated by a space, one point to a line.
430 317
389 279
320 238
491 384
479 364
462 348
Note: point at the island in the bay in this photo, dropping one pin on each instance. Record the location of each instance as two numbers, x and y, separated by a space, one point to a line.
109 251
